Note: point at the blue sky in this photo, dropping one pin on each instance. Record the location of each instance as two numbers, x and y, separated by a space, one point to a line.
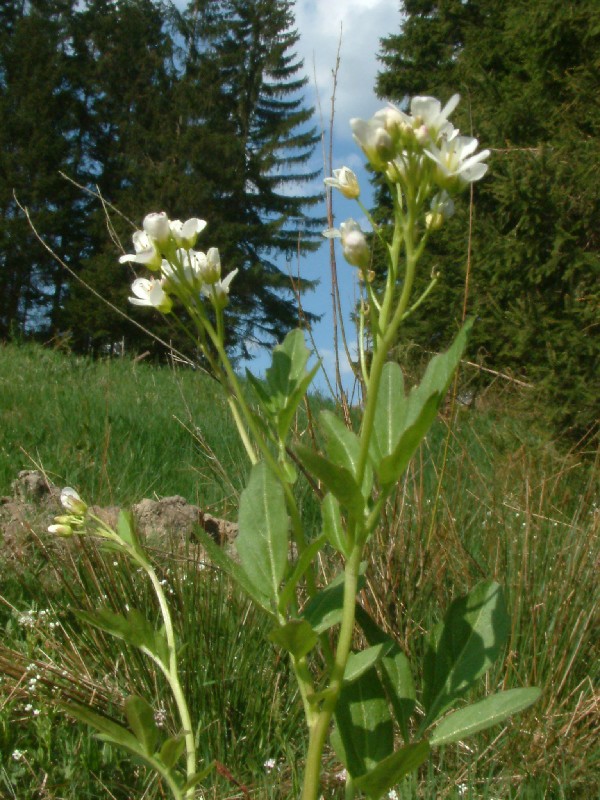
361 23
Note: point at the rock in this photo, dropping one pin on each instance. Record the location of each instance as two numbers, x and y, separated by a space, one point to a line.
33 486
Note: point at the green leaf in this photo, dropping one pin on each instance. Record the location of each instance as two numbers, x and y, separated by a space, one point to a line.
343 448
338 480
140 716
463 648
262 541
134 629
126 529
396 675
364 734
479 716
171 751
399 684
296 636
286 415
324 609
287 367
219 557
390 412
418 414
359 663
390 771
333 528
300 568
195 779
109 729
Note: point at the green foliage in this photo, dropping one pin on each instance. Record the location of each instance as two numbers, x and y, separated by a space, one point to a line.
529 74
201 122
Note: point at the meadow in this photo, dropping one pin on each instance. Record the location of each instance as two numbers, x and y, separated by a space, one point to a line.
489 494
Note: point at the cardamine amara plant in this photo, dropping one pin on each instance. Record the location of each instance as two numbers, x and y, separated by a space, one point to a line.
361 699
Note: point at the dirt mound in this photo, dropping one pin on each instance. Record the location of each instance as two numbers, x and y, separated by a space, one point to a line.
167 523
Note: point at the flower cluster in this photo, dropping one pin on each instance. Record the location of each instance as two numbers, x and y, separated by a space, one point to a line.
66 524
165 246
421 153
403 145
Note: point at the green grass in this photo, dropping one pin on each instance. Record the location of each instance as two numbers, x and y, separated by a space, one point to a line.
489 494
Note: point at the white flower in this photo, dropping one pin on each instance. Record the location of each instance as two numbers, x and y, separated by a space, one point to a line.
345 181
393 795
60 530
146 252
374 140
442 208
72 502
210 271
218 292
157 228
150 293
186 233
269 764
456 166
354 243
427 120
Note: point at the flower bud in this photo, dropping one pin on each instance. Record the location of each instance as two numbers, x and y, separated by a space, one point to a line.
345 181
374 140
186 233
354 244
157 227
72 502
61 530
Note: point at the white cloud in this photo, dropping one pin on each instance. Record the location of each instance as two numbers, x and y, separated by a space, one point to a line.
362 23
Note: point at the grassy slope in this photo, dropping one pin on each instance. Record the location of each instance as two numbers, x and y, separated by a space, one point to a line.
488 496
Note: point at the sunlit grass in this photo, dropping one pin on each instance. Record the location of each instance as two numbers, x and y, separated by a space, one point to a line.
488 495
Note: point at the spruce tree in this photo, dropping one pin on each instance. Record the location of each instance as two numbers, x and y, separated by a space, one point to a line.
528 75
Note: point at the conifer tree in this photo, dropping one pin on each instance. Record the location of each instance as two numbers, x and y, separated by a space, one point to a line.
528 74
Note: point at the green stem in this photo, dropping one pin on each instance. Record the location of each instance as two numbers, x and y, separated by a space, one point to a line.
172 676
318 732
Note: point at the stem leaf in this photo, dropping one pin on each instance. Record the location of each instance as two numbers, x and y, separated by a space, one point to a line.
262 541
337 479
463 647
140 716
390 771
479 716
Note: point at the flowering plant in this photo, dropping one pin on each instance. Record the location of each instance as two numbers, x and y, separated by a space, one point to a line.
362 699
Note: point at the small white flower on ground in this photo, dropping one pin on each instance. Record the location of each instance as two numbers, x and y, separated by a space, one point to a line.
72 502
146 252
60 530
345 181
393 795
17 755
186 233
269 764
150 293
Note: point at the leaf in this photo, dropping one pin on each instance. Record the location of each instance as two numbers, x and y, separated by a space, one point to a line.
109 729
359 663
324 609
343 448
296 636
479 716
396 674
171 751
300 568
474 631
364 734
390 771
140 716
416 417
390 412
338 480
126 529
262 541
399 684
195 779
219 557
333 528
134 629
